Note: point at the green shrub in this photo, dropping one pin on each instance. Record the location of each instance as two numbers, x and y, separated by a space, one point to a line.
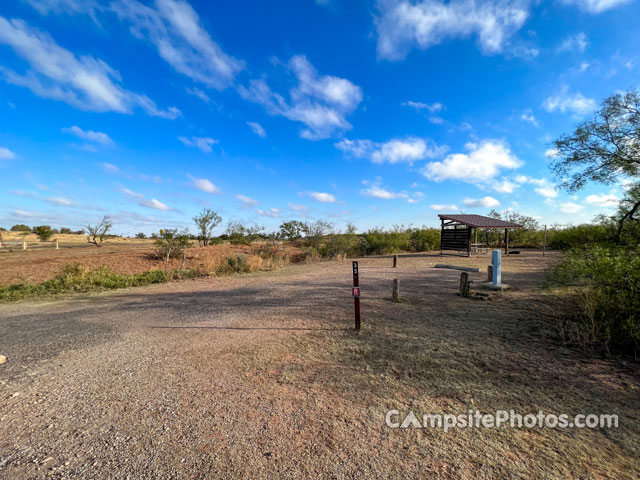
171 243
579 236
424 240
20 227
234 264
43 232
609 283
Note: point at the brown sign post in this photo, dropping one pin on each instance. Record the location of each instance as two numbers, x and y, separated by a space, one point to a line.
356 294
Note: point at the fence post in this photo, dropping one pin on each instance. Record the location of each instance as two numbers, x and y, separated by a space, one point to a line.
544 242
24 244
57 245
395 261
490 273
464 284
396 290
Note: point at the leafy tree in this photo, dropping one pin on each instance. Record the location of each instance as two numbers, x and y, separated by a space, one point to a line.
20 227
292 230
314 231
206 221
237 233
605 149
97 233
43 232
141 235
65 230
171 244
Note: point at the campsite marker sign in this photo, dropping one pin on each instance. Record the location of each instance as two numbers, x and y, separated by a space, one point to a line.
355 292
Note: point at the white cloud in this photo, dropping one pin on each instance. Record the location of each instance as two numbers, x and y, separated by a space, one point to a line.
543 187
130 193
174 27
153 203
320 103
551 153
504 186
419 106
393 151
595 6
247 201
89 135
298 208
257 129
84 82
571 207
603 200
445 207
375 191
323 197
57 7
529 118
62 201
486 202
271 213
204 185
202 143
6 154
577 42
482 163
196 92
564 101
402 24
109 168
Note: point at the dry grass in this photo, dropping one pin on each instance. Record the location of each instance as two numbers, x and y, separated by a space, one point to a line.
273 382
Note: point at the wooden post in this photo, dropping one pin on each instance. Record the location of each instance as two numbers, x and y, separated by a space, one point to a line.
506 241
356 299
395 261
544 242
24 244
57 245
464 284
396 290
490 273
184 254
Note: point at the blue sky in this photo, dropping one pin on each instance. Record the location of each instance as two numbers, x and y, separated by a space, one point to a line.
376 112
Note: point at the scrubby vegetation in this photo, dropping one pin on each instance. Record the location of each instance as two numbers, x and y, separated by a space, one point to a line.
74 278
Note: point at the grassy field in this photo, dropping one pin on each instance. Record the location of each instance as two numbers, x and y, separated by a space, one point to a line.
262 376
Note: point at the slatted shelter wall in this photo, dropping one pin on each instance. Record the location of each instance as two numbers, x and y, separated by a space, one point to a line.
455 237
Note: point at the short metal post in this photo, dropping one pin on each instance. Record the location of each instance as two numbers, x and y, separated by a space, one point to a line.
396 290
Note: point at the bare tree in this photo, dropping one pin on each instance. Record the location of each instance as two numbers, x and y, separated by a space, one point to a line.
96 233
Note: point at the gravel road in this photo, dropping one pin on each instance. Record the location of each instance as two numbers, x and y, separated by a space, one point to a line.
252 377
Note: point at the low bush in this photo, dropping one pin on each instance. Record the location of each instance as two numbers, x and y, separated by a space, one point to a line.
75 278
608 282
234 264
579 236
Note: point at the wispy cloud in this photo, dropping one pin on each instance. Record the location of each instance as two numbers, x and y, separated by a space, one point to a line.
596 6
320 102
196 92
419 106
397 150
61 201
6 154
176 30
247 201
447 207
577 42
271 213
155 204
84 82
109 168
257 129
297 207
322 197
89 135
564 101
204 144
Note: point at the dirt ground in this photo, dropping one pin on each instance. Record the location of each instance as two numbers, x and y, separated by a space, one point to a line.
40 264
262 376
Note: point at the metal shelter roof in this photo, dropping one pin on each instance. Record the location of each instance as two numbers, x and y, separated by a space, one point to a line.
479 221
